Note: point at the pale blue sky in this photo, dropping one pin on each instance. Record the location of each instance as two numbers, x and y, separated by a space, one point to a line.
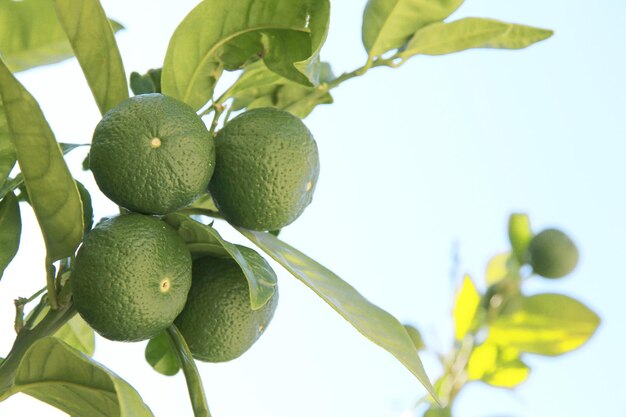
414 162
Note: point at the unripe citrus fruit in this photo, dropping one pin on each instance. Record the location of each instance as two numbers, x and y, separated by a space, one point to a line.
266 169
152 154
131 277
552 254
217 322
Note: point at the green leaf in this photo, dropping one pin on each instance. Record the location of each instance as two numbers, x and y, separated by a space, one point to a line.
57 374
221 34
446 38
465 308
93 42
147 83
415 336
520 235
78 335
373 322
10 230
7 151
318 24
259 87
388 24
160 354
497 366
545 324
85 199
141 84
204 240
31 35
51 188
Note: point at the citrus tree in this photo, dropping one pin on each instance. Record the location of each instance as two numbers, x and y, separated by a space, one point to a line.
181 162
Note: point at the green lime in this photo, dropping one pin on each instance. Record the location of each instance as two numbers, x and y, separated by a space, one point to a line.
552 254
152 154
131 277
266 169
217 322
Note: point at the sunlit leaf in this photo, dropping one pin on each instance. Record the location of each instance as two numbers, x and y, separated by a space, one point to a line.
446 38
497 366
51 188
373 322
78 335
221 34
31 35
465 308
520 235
93 42
260 87
501 267
204 240
10 230
388 24
161 356
56 373
546 324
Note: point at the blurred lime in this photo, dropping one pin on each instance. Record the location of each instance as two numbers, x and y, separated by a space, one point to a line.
552 254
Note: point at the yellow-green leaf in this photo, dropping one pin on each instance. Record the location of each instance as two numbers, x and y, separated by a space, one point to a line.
30 34
545 324
465 308
497 366
91 36
51 188
388 24
500 267
445 38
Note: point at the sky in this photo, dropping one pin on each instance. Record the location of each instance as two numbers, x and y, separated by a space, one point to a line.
420 168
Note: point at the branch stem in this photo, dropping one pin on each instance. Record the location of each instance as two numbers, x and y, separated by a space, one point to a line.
50 285
25 339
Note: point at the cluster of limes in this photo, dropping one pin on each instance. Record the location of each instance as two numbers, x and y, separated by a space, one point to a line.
153 155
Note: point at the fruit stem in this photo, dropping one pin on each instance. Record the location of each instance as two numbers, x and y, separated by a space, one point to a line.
194 382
